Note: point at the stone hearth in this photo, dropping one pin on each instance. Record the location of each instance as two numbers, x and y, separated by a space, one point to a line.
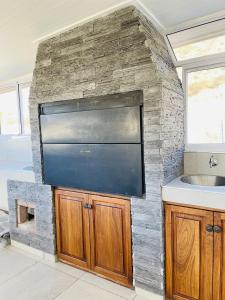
121 52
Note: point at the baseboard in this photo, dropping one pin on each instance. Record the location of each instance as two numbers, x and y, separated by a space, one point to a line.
148 295
30 250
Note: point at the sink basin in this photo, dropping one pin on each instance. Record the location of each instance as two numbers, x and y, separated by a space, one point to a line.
206 180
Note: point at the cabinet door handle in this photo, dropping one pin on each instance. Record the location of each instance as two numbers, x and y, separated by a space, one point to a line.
209 228
88 205
217 229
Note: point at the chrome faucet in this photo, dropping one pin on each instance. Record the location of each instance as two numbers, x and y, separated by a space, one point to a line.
212 161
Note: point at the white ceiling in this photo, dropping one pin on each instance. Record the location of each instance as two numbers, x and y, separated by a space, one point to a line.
24 22
171 13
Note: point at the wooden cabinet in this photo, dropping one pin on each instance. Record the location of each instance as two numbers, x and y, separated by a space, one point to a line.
189 253
195 254
94 233
72 224
219 257
110 232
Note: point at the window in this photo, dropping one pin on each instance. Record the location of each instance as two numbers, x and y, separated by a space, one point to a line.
14 111
198 41
201 48
24 106
9 113
199 54
206 106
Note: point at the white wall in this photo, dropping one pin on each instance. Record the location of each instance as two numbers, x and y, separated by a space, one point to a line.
15 150
15 155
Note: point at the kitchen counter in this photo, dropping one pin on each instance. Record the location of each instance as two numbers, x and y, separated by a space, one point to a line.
187 194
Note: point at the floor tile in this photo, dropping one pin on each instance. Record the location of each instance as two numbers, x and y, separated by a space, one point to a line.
77 273
13 263
149 296
109 286
21 251
82 290
39 282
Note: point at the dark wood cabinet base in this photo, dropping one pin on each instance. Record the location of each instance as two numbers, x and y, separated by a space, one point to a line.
94 233
195 247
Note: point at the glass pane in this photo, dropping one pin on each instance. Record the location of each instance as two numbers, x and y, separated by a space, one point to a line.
25 92
9 113
206 106
206 39
199 49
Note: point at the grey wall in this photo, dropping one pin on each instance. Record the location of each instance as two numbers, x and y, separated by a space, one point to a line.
198 163
120 53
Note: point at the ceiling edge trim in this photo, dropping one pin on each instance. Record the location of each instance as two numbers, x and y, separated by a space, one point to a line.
150 16
137 3
196 22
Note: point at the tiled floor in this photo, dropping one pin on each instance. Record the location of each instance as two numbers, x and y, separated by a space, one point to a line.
26 277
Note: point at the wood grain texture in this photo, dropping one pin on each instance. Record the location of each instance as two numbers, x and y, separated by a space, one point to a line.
219 258
108 233
193 206
97 239
68 190
111 238
72 228
189 253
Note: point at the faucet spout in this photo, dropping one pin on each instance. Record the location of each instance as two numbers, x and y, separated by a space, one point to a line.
212 161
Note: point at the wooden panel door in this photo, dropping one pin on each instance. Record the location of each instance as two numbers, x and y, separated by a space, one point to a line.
110 238
219 257
189 253
72 221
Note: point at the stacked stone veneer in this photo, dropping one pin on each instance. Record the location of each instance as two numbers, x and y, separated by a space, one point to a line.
118 53
39 196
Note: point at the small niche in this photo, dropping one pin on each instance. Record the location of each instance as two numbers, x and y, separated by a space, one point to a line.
26 216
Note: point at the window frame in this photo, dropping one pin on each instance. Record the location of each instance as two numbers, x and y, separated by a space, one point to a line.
198 147
20 86
17 88
196 64
180 63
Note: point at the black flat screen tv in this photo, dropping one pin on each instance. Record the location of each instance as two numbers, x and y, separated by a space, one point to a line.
93 147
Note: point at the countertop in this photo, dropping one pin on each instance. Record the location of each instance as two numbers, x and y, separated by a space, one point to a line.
187 194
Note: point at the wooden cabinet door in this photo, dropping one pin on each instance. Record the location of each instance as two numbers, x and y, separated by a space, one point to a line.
189 253
219 257
110 238
72 221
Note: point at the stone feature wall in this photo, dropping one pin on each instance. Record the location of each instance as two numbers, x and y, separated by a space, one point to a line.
121 52
40 197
